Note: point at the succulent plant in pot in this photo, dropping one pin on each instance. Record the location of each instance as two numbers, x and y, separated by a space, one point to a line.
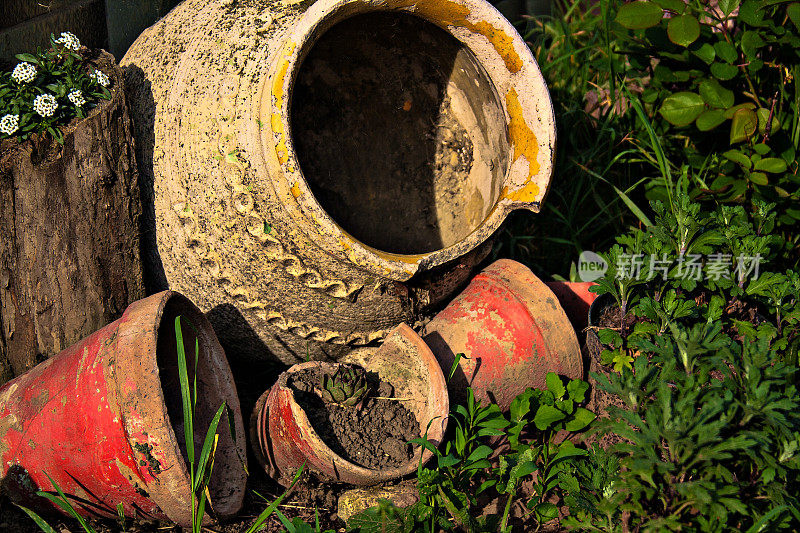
284 437
347 385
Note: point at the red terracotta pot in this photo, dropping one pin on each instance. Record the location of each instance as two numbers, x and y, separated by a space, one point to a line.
575 298
104 419
513 331
283 438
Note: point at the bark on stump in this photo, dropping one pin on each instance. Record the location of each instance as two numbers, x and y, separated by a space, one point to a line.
69 232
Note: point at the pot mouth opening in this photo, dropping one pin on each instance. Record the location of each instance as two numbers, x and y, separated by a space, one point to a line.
201 365
399 132
402 132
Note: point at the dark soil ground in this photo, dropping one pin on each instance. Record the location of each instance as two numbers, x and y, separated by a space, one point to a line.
373 434
308 496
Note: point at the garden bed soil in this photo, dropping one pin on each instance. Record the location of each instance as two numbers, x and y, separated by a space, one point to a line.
373 434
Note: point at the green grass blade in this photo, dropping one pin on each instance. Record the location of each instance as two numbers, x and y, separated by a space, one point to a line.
197 524
764 520
206 451
44 526
655 144
65 504
456 360
188 428
624 197
194 381
285 521
271 508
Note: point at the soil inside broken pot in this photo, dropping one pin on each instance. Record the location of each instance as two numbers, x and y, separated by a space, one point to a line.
375 433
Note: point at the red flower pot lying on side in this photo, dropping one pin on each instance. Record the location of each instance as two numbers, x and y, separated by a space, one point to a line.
283 438
104 419
512 331
575 298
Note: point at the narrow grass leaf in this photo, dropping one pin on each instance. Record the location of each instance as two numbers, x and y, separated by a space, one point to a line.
65 504
44 526
183 376
206 451
274 505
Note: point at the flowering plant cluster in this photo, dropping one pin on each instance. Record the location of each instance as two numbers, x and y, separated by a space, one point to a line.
48 89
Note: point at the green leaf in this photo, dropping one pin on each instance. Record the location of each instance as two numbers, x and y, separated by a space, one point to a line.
581 419
480 453
62 501
206 459
446 461
715 94
28 58
750 12
639 15
751 42
546 511
43 525
793 10
683 108
546 416
708 120
761 149
728 6
723 71
683 30
759 178
772 165
555 385
738 157
731 110
726 51
763 117
577 389
706 53
743 125
678 6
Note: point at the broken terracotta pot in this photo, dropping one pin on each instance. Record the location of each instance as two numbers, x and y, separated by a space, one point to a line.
318 172
104 419
575 297
283 438
511 329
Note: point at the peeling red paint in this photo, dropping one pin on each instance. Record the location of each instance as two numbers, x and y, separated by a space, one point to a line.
511 331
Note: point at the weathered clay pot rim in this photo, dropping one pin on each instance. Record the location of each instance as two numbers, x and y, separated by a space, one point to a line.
311 436
510 68
170 490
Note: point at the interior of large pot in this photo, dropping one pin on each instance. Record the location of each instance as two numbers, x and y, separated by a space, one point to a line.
202 355
399 132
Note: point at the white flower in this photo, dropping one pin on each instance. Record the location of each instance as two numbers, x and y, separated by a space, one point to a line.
24 73
76 97
45 105
100 77
69 41
9 124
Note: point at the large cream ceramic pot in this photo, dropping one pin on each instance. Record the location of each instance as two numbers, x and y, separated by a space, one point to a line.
317 172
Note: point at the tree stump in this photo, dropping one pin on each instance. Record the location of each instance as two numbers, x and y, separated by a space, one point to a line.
69 232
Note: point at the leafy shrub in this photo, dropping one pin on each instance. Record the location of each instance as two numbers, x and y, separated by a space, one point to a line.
707 374
719 80
46 90
465 468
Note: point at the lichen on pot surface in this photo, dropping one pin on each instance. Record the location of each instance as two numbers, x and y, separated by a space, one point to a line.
314 173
